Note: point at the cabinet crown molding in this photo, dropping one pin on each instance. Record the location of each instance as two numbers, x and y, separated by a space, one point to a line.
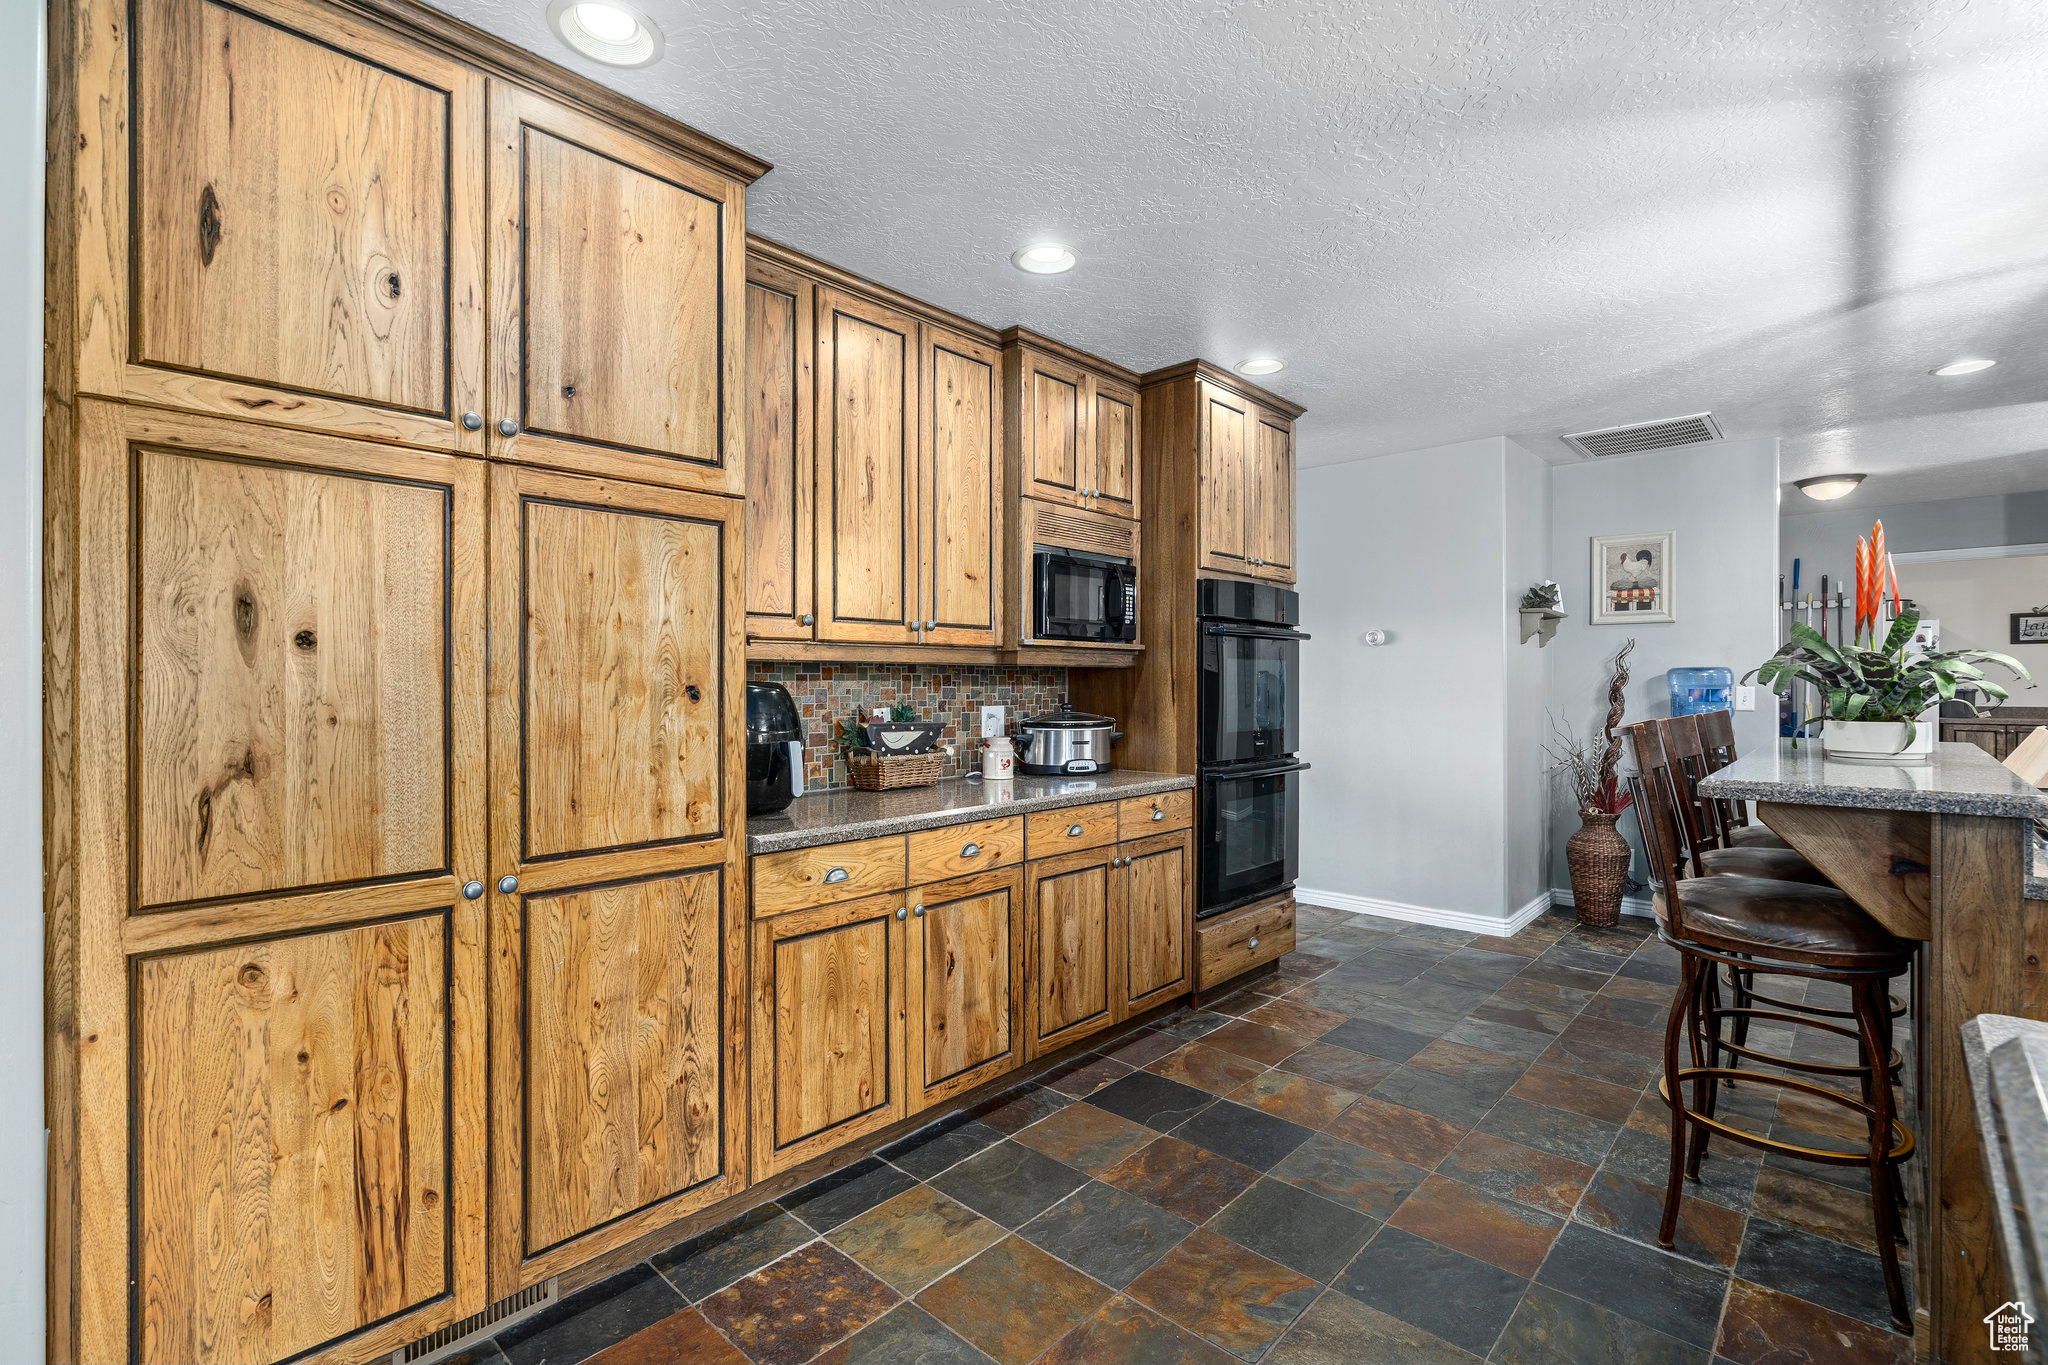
1072 354
775 253
1225 379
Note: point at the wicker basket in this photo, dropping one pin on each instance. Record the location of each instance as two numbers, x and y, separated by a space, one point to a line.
872 772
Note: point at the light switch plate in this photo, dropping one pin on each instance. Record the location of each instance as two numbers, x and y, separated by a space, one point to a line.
1745 698
991 721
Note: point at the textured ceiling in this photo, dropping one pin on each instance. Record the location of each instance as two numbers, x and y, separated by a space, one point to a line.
1452 220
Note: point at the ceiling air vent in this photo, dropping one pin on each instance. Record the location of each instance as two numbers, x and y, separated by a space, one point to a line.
1629 440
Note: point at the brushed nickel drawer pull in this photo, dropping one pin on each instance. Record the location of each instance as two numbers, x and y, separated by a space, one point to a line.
837 874
1253 944
971 851
1073 831
1158 814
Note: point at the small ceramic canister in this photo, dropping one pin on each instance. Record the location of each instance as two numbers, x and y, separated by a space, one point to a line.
998 759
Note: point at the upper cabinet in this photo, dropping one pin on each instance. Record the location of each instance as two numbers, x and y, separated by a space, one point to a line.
279 216
1238 442
875 466
1073 425
282 212
618 304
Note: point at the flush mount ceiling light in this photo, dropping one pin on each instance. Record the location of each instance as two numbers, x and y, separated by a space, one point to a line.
1263 365
1956 367
1046 258
1828 487
608 31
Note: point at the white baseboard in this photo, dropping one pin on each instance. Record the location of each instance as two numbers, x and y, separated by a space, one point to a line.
1467 920
1630 905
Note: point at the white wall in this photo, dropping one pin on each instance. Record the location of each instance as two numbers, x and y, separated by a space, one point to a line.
1722 499
21 842
1404 802
1525 819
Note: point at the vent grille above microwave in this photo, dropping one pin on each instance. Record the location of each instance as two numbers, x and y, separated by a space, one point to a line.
1696 429
1087 531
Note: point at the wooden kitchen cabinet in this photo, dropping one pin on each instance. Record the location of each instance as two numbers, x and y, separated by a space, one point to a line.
278 770
781 418
618 301
617 933
828 1020
1073 906
965 961
960 491
1158 920
1073 425
1269 510
1225 436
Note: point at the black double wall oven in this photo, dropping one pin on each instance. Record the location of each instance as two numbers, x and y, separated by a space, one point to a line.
1250 730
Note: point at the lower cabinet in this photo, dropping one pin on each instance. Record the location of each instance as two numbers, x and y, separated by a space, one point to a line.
1075 903
1159 905
829 1004
966 955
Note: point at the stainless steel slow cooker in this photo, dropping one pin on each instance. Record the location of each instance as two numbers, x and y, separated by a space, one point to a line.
1065 741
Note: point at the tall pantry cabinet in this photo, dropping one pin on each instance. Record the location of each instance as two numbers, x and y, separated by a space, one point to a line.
394 821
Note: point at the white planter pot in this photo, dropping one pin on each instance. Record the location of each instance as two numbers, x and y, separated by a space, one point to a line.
1880 741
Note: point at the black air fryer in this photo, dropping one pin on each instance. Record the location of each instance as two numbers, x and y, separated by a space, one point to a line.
775 748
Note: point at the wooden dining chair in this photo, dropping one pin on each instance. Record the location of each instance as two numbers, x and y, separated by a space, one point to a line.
1786 928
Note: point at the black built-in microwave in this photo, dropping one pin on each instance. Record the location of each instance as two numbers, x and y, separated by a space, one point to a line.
1077 596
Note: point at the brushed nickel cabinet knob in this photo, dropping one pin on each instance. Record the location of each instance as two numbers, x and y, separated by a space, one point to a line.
507 427
472 421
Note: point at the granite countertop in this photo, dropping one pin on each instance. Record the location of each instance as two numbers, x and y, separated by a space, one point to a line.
2007 1060
1961 779
828 817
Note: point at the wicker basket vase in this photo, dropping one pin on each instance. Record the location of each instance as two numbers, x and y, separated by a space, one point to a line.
873 772
1598 858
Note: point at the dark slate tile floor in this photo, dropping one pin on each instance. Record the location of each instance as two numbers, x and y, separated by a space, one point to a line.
1415 1145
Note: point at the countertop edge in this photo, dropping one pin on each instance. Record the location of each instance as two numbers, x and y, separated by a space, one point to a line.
782 841
1857 798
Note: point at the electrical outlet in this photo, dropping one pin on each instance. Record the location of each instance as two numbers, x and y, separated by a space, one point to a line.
879 713
991 721
1745 698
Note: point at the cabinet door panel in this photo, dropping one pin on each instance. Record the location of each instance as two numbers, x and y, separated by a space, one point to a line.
965 962
1054 421
617 955
867 465
1158 910
828 999
961 478
622 1054
306 220
292 1146
622 658
280 669
1115 438
1224 437
293 691
1270 513
779 435
618 311
1075 953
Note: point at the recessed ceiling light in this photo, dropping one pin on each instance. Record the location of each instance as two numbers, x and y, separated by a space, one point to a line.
1047 258
1828 487
609 31
1956 367
1263 365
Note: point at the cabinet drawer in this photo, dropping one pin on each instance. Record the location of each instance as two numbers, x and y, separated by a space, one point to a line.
830 872
1138 816
1049 833
1243 939
936 854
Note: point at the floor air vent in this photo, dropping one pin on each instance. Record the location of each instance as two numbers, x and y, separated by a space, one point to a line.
476 1324
1641 436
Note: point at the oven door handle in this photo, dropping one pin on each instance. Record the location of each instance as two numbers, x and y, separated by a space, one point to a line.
1269 770
1261 632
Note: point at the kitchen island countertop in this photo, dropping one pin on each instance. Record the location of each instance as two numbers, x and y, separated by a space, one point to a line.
830 817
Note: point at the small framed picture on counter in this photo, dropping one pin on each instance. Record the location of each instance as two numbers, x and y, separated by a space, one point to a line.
2030 627
1634 578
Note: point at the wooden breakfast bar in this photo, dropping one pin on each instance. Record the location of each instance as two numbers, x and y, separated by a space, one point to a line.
1945 853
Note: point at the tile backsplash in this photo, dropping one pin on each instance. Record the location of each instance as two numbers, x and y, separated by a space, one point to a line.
952 693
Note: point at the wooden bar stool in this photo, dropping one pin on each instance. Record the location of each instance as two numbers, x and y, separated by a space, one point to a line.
1705 744
1786 928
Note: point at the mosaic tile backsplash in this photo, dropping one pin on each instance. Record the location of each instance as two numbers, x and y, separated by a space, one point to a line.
952 693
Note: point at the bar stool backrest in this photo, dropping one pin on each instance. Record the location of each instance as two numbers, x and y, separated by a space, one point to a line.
1687 760
1655 817
1717 739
